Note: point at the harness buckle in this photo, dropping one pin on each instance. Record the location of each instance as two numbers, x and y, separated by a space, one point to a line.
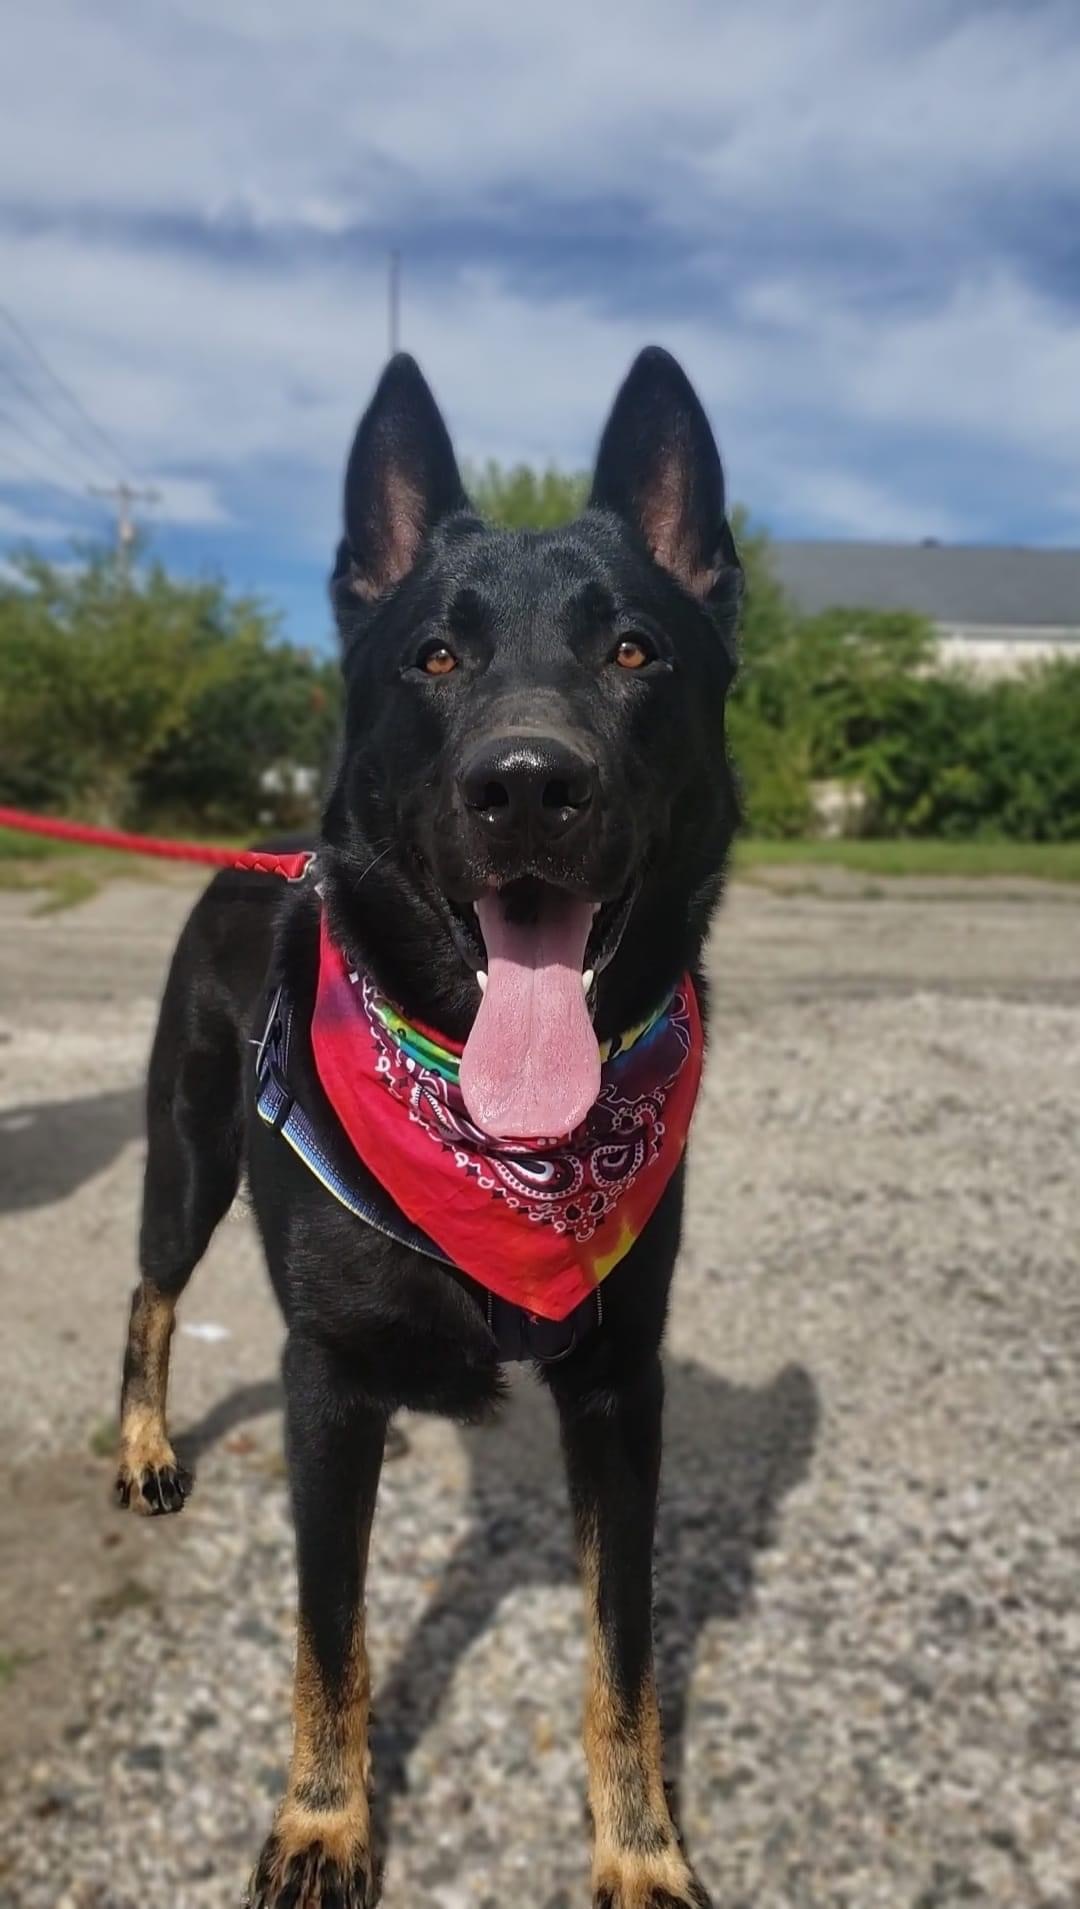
308 872
523 1335
262 1047
275 1100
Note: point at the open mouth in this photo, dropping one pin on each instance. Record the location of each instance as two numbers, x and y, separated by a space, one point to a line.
525 901
531 1065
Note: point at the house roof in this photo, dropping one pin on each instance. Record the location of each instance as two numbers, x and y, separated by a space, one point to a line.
959 584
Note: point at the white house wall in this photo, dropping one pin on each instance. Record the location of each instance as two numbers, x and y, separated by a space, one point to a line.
987 650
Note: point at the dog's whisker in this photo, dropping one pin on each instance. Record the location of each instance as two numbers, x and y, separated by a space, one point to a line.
381 856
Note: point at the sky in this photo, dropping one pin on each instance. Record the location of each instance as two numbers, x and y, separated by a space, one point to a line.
857 225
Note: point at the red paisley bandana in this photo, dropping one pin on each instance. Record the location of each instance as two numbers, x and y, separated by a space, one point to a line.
539 1223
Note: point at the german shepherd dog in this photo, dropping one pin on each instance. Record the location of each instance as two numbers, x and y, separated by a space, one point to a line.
534 724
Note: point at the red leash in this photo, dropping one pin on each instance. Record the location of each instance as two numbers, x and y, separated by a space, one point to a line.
261 861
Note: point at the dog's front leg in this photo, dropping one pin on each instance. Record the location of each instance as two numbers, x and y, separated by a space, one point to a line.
319 1851
612 1448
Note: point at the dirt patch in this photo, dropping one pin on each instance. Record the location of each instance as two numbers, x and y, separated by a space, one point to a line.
64 1556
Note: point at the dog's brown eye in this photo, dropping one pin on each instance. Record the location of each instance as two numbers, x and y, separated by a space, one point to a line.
631 654
438 661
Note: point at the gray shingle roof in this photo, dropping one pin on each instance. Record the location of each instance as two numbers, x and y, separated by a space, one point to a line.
950 583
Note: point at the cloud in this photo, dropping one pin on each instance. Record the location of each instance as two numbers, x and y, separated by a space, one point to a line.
190 501
839 503
249 378
847 220
335 115
21 525
992 359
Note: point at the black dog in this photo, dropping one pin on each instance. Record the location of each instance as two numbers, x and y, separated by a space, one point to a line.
534 728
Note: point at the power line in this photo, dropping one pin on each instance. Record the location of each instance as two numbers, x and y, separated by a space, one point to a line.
115 454
42 479
122 494
36 477
47 450
68 444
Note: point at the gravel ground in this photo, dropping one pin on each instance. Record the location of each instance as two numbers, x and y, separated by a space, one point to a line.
870 1537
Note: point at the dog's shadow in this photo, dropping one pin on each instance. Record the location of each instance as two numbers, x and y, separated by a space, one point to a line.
49 1148
731 1455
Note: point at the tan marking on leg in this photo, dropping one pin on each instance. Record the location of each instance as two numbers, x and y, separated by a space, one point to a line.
636 1848
330 1739
326 1817
144 1439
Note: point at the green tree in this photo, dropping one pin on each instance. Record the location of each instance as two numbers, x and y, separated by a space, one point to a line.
520 498
122 697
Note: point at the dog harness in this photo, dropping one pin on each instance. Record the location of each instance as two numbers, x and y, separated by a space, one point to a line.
537 1225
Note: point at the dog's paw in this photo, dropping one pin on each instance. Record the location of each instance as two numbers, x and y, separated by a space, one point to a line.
310 1878
152 1489
649 1882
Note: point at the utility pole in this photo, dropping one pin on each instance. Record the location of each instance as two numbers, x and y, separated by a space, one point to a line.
393 294
124 495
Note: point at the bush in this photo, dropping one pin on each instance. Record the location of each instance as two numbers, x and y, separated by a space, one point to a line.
971 759
854 695
134 701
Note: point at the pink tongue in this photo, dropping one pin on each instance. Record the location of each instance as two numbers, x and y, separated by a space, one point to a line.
531 1066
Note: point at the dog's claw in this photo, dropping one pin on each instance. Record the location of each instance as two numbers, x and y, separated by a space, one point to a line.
656 1899
658 1896
309 1879
156 1491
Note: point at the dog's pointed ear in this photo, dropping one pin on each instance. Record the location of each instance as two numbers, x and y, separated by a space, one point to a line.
401 479
658 469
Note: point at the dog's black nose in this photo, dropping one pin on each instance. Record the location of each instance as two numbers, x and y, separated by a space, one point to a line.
528 785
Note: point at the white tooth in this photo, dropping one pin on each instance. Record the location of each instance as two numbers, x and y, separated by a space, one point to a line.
481 979
588 978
